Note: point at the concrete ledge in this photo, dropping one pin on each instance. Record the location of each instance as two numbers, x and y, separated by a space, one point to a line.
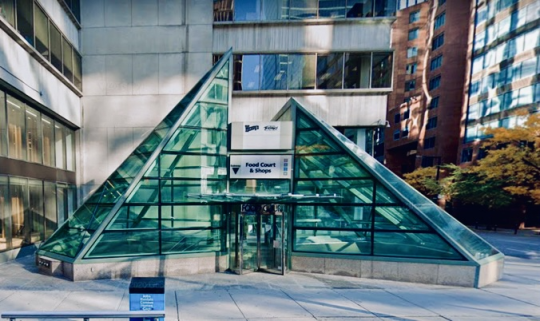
440 274
141 267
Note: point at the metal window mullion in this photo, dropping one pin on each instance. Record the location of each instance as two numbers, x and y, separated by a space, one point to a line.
373 212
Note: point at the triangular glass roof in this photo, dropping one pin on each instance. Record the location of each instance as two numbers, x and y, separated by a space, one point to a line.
148 190
378 213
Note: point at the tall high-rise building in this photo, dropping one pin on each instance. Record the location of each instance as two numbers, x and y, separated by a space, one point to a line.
503 72
424 110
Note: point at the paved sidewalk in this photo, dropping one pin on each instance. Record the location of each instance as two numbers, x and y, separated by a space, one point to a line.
296 296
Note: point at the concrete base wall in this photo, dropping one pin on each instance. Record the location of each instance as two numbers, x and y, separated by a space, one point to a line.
147 267
440 274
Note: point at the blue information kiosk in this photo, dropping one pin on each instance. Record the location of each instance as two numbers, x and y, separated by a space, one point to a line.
147 294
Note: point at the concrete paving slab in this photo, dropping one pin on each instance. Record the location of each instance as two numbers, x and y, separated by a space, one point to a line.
255 303
207 305
91 301
327 303
33 301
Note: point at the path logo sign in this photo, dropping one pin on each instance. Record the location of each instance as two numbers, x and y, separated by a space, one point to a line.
272 135
260 166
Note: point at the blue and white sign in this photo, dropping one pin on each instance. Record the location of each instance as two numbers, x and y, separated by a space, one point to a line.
260 166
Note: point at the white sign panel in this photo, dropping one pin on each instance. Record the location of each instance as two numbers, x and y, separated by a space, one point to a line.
273 135
260 166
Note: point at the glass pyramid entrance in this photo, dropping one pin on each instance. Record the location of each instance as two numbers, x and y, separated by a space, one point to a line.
172 201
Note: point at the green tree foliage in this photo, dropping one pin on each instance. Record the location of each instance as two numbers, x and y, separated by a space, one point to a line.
424 180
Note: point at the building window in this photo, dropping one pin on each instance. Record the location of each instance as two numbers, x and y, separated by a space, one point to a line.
7 11
397 118
410 85
405 132
440 20
438 41
411 68
301 71
414 16
382 70
357 70
436 62
435 83
441 2
302 9
406 114
429 143
397 134
434 103
413 34
412 52
432 123
330 71
466 155
427 161
16 128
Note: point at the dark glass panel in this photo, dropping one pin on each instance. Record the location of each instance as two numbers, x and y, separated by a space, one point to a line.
68 59
60 146
314 141
33 135
328 166
42 32
357 70
336 217
208 116
332 8
7 8
66 241
336 242
147 191
217 92
34 212
56 47
191 216
132 243
3 125
275 10
70 149
193 166
348 191
260 186
178 190
198 141
303 9
302 71
384 196
76 9
130 167
420 245
382 70
274 72
330 71
135 217
16 128
25 19
359 8
51 221
247 10
109 192
190 241
77 70
248 77
48 141
385 8
223 10
5 229
20 223
397 218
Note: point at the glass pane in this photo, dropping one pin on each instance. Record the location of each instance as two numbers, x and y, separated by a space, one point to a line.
421 245
338 242
217 92
191 216
384 196
259 186
303 122
59 145
35 215
314 141
33 135
68 59
70 150
50 208
147 191
332 8
3 125
48 141
382 70
223 10
247 10
135 217
25 19
385 8
42 32
16 128
5 231
357 69
328 166
359 8
193 166
330 71
303 9
66 241
77 70
7 8
336 217
274 10
178 190
115 244
208 116
56 47
397 218
198 141
274 72
249 76
109 192
18 196
189 241
302 71
348 191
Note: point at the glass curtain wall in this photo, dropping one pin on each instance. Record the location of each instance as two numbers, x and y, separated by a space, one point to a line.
3 125
5 228
16 128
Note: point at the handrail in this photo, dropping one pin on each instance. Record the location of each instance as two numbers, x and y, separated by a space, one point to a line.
85 315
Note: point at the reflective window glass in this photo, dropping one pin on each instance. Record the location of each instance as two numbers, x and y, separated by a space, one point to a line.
339 242
382 70
332 8
3 125
351 191
7 8
179 190
397 218
56 47
330 71
248 74
412 52
414 16
20 225
35 213
359 8
198 141
328 166
68 60
49 196
42 32
274 72
192 216
223 10
421 245
4 216
16 128
314 141
25 20
129 243
413 34
385 8
357 70
147 191
191 241
337 217
135 217
302 71
77 70
193 166
33 135
260 186
70 149
275 9
384 196
440 20
247 10
59 145
303 9
438 41
47 127
208 116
